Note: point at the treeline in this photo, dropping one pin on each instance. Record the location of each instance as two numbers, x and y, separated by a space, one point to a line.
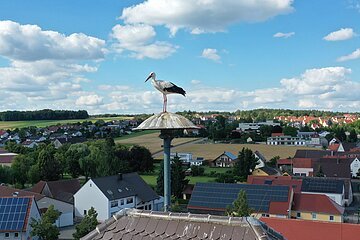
91 159
45 114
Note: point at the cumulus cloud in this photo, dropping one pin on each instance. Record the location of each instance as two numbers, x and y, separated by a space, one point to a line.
340 35
201 16
46 69
138 40
283 35
195 82
211 54
31 43
106 87
351 56
89 100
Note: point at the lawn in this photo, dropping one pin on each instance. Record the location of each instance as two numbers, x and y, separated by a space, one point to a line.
45 123
150 140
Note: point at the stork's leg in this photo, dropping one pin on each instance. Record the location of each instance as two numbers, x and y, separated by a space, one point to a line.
165 102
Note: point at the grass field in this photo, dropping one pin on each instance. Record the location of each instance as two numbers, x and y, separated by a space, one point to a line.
150 141
45 123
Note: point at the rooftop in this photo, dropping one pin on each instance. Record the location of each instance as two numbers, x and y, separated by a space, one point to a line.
136 224
319 203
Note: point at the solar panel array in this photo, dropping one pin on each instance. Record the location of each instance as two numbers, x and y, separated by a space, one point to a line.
13 213
322 185
221 195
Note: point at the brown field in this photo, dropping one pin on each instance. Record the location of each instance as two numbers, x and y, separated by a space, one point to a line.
152 141
211 151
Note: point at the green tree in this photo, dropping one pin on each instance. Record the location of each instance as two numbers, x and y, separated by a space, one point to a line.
141 159
6 174
240 207
178 177
160 180
290 131
77 157
197 170
49 166
353 136
273 161
245 164
34 174
44 228
87 224
20 167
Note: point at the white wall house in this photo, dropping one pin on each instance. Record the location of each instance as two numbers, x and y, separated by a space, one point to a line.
286 140
66 210
304 172
110 194
244 127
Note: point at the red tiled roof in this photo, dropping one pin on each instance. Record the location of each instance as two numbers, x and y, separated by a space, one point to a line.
8 192
279 208
37 188
7 158
293 229
319 203
302 163
334 147
277 181
284 161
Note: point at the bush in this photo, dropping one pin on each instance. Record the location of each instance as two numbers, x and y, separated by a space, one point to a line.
197 170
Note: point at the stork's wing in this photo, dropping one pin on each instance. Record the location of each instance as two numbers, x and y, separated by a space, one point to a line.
166 84
172 88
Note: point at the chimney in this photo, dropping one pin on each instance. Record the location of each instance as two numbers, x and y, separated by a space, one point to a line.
15 194
120 176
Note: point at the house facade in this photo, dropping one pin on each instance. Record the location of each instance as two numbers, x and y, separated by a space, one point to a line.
226 159
286 140
23 209
109 195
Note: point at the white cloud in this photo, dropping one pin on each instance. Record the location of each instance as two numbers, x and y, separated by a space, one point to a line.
340 35
195 82
31 43
89 100
283 35
138 40
351 56
113 87
211 54
200 16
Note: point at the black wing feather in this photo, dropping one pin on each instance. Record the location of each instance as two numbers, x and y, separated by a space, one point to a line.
175 89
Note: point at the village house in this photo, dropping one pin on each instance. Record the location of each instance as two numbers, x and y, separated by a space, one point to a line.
110 194
15 216
264 200
226 159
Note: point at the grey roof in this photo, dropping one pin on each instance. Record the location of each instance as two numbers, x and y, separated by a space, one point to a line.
215 197
166 120
270 170
302 153
136 224
259 155
129 184
322 185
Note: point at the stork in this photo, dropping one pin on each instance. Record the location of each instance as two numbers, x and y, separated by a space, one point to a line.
165 88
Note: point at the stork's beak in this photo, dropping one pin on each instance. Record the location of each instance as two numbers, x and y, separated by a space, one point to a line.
148 78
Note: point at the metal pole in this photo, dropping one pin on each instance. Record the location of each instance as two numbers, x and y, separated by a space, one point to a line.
167 137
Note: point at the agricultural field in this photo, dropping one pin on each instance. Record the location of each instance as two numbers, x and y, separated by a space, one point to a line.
211 151
46 123
150 140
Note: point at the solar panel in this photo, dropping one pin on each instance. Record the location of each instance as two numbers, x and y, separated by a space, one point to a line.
13 213
221 195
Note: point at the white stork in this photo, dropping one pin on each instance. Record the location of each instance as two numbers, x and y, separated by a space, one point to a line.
165 88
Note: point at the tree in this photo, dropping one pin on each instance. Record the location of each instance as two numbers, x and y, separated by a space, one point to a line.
273 161
227 177
76 157
87 224
353 136
44 228
6 174
160 180
290 131
240 207
197 170
49 166
340 134
34 174
245 165
178 177
141 159
20 167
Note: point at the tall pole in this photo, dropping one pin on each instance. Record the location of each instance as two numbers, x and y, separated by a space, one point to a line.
167 136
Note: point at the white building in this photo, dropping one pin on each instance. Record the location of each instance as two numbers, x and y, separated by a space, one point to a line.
66 209
16 213
286 140
354 167
110 194
188 158
255 127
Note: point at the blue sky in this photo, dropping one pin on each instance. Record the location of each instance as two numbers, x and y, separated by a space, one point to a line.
227 55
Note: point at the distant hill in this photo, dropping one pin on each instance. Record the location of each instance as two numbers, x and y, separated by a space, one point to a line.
45 114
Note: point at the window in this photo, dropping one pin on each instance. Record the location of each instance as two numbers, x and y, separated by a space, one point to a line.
16 235
122 202
129 200
313 215
84 212
298 215
331 218
7 235
114 203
